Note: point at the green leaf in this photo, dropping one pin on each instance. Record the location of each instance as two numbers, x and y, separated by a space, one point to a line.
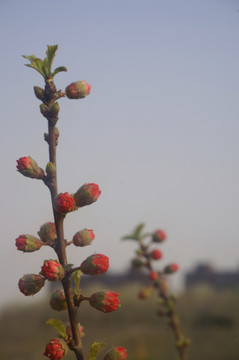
95 348
30 58
135 234
59 69
76 276
44 67
59 326
50 54
37 64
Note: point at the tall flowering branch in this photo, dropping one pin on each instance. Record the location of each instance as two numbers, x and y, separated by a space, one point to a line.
52 233
145 259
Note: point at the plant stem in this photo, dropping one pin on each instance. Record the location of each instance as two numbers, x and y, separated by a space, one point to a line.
181 341
60 248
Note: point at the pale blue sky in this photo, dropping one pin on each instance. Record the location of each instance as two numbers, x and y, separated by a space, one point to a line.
159 132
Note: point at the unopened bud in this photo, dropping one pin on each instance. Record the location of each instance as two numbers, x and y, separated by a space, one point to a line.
29 168
105 301
56 349
95 264
78 90
64 203
39 92
45 111
83 238
156 254
50 169
87 194
55 108
47 232
170 269
52 270
30 284
58 300
116 353
158 236
28 243
51 113
153 275
145 293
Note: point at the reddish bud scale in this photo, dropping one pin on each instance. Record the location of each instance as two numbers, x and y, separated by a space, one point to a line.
28 243
156 254
116 353
58 300
29 168
47 232
30 284
87 194
83 237
105 301
64 203
56 349
158 236
53 270
78 90
170 269
95 264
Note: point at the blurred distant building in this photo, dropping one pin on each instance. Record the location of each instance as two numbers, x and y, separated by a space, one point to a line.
204 274
129 277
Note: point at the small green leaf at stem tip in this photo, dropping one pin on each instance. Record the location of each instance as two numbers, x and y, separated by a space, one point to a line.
59 326
44 66
59 69
76 276
135 234
95 348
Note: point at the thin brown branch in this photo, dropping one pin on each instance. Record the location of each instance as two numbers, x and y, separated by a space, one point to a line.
51 182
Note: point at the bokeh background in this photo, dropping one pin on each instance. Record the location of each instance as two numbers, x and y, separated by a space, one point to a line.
159 132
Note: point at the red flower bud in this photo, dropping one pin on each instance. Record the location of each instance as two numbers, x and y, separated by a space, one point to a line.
105 301
153 275
170 269
83 237
52 270
56 349
64 203
158 236
28 167
145 293
156 254
87 194
28 243
47 232
95 264
69 330
30 284
78 90
116 353
58 300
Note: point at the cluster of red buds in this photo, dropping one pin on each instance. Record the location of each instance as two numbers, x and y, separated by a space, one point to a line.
145 259
51 233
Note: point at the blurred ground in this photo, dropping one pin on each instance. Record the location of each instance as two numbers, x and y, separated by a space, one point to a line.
210 318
